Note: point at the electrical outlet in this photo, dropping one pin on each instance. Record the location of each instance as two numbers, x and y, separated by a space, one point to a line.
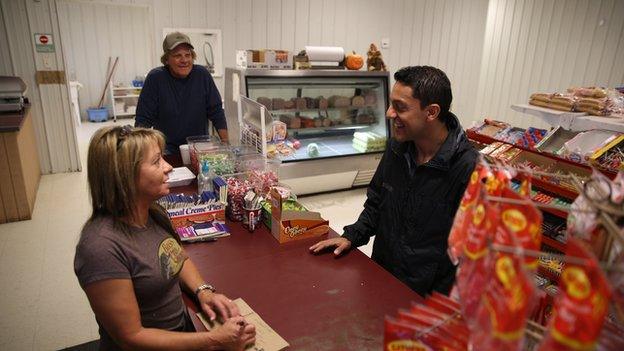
385 43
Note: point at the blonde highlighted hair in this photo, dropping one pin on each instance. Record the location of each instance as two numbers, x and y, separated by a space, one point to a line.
113 166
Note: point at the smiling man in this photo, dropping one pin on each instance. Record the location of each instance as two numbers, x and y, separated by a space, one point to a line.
180 97
416 189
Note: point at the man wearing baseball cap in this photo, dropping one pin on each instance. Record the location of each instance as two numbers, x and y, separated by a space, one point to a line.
180 97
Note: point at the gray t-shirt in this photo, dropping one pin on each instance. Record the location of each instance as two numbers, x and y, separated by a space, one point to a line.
149 256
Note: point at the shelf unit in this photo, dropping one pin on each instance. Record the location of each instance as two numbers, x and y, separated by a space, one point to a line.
574 121
120 96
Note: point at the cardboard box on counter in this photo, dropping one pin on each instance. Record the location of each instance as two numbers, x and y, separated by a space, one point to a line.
287 225
268 59
187 216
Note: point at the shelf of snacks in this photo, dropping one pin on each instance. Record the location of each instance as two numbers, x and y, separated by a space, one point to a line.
523 157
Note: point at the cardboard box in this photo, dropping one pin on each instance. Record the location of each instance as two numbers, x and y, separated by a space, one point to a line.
267 59
289 225
186 216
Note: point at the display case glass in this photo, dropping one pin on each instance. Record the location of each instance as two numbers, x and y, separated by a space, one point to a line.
326 114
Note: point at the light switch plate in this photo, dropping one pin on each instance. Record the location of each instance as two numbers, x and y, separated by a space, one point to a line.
385 43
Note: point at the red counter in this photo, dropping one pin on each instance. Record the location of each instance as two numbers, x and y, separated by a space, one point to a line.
314 302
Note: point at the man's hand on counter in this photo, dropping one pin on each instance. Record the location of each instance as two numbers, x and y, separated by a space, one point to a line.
341 244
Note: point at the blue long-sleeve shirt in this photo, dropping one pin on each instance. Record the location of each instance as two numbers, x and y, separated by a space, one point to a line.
179 107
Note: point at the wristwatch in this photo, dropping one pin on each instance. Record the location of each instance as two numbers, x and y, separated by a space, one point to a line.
205 287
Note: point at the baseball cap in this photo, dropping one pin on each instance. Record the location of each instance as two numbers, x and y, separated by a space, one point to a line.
174 39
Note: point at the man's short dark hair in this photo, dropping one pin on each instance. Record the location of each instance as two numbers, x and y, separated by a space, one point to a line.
429 85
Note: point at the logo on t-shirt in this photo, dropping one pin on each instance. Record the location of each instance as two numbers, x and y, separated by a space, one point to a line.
171 258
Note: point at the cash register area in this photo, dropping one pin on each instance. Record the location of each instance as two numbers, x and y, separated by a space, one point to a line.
42 304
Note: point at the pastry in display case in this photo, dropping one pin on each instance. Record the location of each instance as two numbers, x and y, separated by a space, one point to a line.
328 127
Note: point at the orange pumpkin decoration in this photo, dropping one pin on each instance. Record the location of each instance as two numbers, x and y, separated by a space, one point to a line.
354 61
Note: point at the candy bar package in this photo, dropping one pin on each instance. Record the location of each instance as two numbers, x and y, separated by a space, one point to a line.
400 335
581 306
457 236
472 274
507 299
524 222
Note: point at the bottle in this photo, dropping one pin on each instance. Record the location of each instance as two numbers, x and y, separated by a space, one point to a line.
204 181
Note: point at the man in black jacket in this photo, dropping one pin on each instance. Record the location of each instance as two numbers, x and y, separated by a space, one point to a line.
417 187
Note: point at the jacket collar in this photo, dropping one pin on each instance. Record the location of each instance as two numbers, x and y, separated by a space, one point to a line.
455 141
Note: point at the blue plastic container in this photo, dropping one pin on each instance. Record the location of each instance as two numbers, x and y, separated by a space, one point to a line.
97 114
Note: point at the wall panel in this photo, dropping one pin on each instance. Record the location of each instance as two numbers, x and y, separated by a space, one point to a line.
545 46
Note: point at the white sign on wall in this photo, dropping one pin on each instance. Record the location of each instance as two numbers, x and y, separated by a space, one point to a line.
207 44
44 42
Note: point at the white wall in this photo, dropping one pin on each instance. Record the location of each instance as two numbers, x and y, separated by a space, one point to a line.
547 46
445 33
93 33
55 134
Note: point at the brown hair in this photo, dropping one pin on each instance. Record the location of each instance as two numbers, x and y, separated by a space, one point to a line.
113 165
165 56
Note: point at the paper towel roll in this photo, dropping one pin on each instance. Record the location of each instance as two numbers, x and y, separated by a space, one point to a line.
325 53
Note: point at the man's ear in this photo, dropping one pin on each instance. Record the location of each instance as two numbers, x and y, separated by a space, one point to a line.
433 111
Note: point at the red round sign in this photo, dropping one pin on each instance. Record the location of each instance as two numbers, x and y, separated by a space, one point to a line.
43 39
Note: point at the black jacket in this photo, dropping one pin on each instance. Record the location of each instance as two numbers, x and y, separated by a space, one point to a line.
410 210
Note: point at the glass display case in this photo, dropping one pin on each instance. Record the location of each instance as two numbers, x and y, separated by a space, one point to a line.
320 123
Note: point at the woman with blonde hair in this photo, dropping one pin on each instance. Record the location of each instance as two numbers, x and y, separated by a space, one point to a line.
128 262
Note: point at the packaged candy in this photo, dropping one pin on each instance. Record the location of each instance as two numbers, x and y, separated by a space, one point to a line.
581 306
439 323
401 335
457 236
472 274
523 222
507 300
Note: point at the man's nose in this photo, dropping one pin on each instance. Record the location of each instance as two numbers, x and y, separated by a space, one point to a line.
391 113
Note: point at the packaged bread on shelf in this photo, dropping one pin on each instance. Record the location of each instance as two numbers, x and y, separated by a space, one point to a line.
267 102
591 92
339 101
358 101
